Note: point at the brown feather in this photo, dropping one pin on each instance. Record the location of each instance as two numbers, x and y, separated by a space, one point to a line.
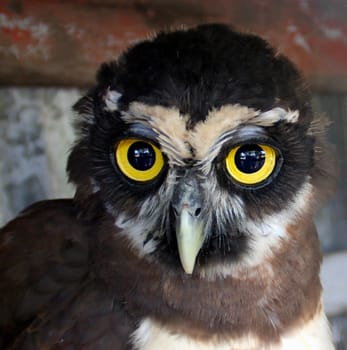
49 297
263 305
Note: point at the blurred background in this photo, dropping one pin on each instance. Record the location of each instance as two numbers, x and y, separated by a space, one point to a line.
50 50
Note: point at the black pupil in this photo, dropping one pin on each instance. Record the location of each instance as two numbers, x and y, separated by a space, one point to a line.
141 155
249 158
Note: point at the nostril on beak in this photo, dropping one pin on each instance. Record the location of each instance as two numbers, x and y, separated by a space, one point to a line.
191 211
197 212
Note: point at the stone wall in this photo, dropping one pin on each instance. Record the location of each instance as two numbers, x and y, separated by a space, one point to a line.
35 137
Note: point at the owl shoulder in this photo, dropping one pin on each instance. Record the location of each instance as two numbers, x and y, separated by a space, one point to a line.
44 258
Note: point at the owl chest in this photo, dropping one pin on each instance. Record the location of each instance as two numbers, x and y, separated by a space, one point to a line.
314 335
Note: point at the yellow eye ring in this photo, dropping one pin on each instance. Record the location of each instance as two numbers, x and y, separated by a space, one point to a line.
139 160
251 164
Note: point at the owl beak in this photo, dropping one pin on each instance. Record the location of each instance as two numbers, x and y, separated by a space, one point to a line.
189 225
189 235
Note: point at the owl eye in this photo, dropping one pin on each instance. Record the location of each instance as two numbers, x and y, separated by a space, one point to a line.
139 160
251 164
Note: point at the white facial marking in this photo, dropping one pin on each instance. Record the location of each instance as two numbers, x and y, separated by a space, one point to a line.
136 232
218 122
168 123
278 114
266 236
150 220
111 100
177 141
222 204
243 132
230 118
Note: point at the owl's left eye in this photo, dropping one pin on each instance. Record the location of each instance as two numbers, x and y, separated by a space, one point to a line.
139 160
251 164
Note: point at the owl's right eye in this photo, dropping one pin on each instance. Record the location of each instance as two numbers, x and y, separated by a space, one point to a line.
139 160
251 164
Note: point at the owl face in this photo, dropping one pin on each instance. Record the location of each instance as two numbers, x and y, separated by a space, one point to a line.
202 147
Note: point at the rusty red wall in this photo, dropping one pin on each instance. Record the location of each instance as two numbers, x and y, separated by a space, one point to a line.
55 42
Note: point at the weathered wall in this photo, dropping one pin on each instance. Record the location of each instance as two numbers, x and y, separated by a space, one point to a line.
63 42
35 137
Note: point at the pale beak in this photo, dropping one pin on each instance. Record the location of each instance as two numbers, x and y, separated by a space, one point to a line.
189 225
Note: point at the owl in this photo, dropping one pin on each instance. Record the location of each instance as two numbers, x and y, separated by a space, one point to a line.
198 168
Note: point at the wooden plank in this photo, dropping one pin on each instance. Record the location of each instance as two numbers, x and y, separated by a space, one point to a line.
56 42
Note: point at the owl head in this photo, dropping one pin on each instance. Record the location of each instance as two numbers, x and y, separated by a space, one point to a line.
202 148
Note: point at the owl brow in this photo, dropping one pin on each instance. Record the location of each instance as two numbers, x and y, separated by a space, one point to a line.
141 130
243 133
234 136
138 129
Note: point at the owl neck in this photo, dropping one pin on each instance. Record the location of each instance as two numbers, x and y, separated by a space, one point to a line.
281 293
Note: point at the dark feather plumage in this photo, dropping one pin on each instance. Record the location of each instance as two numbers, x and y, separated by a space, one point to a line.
83 273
